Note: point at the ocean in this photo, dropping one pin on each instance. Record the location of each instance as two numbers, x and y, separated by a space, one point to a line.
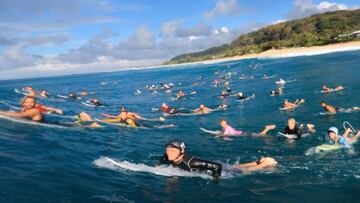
56 163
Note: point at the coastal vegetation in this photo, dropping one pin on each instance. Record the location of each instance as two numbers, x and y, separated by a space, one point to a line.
316 30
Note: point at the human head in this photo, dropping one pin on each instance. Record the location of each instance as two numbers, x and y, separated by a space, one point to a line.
28 102
84 116
323 103
202 106
174 149
28 88
333 132
272 92
223 123
291 123
123 109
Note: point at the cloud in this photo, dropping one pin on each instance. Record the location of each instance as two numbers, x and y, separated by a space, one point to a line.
197 30
168 29
15 55
224 8
37 15
304 8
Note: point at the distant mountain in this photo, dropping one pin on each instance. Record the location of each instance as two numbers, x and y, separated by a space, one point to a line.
316 30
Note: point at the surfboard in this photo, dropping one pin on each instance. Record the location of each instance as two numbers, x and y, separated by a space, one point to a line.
328 147
62 96
332 90
20 92
163 170
29 122
91 105
213 132
293 136
247 98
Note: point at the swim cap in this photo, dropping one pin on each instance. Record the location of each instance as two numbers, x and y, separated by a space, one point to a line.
333 129
123 109
178 144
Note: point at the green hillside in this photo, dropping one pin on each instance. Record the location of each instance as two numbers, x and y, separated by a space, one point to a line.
320 29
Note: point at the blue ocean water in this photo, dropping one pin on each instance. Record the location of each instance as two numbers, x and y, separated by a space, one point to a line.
51 164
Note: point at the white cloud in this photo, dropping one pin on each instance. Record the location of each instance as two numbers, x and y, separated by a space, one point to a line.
224 8
197 30
304 8
168 29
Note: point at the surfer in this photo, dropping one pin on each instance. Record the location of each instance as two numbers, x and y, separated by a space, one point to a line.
96 102
292 105
216 83
227 130
124 117
332 109
28 110
44 93
344 140
84 93
180 94
84 119
292 129
176 156
205 110
72 95
224 94
30 90
326 89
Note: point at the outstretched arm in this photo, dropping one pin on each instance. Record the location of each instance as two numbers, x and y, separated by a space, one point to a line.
267 129
108 115
204 165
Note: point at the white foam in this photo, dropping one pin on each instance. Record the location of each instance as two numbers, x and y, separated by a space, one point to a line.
108 163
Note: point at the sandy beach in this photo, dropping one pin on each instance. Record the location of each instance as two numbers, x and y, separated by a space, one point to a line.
287 52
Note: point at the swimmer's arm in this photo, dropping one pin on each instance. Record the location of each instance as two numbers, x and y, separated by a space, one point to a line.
267 129
59 111
134 115
108 115
204 165
346 133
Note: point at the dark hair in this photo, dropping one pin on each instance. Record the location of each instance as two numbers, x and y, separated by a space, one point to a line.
323 102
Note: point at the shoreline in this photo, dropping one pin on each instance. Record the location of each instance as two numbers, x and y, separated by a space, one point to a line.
283 53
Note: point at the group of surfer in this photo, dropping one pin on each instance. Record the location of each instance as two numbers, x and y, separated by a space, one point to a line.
175 153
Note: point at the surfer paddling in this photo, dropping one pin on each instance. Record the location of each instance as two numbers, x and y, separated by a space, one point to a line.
175 155
28 111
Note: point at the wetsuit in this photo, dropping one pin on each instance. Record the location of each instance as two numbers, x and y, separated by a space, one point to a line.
242 97
296 131
96 103
191 163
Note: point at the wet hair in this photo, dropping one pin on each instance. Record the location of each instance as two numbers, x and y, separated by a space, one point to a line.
323 102
27 97
222 120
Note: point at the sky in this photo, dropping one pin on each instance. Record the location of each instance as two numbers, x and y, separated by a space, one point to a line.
47 38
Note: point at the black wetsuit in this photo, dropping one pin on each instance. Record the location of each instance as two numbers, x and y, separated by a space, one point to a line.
96 103
296 131
242 97
191 163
